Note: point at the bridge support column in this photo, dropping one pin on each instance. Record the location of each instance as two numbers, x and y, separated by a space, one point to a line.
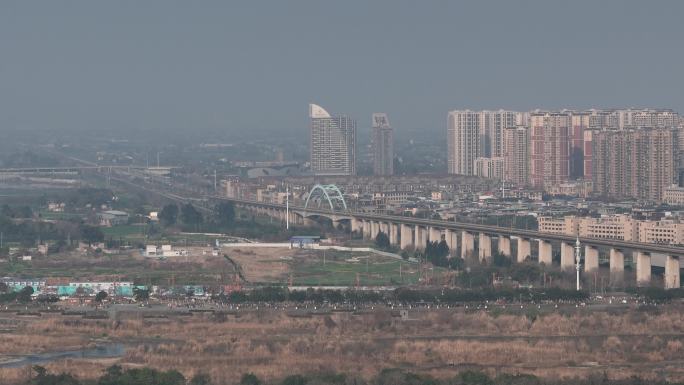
617 267
591 259
545 252
420 238
393 229
643 268
375 229
672 272
450 237
406 236
485 247
435 235
567 257
504 246
366 229
524 250
357 225
467 244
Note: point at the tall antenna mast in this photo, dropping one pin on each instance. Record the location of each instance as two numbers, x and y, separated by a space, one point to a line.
577 261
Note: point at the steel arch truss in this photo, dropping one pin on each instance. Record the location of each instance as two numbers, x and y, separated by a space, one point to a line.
326 192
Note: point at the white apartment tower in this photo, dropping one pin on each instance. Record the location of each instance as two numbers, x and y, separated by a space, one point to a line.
332 143
463 141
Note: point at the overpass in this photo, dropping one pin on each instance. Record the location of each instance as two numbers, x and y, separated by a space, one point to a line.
476 240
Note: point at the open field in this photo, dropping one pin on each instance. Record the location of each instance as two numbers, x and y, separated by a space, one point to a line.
273 343
301 267
305 267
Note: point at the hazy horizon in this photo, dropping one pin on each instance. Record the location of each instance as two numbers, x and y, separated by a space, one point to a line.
255 66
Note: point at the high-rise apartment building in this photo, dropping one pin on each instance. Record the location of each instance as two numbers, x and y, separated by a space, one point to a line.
645 117
516 155
549 148
492 126
463 141
332 143
634 163
382 141
474 134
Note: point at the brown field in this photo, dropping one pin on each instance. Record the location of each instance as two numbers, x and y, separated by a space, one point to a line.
439 342
262 264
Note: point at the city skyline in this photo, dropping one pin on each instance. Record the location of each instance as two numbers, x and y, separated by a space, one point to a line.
165 65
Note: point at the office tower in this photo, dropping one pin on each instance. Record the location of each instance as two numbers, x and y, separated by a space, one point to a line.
382 141
634 163
491 168
516 155
332 143
463 141
549 148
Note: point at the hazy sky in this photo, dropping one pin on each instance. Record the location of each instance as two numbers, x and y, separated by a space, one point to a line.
255 65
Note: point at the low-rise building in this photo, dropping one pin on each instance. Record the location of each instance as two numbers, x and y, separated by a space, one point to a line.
113 218
674 195
619 226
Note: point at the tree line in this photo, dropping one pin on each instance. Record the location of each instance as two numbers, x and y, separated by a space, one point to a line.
403 295
116 375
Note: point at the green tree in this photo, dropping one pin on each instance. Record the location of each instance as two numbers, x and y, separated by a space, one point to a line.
100 296
141 294
200 379
190 216
225 214
382 241
168 216
250 379
92 234
25 294
294 379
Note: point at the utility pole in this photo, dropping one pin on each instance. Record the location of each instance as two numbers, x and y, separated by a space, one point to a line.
214 181
287 207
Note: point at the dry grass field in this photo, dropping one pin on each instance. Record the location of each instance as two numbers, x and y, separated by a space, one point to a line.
438 342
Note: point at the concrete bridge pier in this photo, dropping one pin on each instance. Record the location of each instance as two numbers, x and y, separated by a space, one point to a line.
643 268
420 239
591 259
451 238
567 257
375 229
366 229
672 272
435 234
357 225
467 244
545 252
617 267
504 246
406 236
484 247
524 249
393 229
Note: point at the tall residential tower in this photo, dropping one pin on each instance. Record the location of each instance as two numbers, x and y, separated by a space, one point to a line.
383 145
332 143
